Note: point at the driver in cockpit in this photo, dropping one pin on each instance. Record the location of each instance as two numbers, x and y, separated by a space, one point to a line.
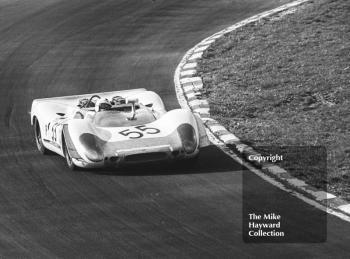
102 105
118 100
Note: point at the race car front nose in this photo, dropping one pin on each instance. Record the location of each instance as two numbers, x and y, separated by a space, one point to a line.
92 149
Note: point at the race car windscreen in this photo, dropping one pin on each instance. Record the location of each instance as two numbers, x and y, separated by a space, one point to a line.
122 119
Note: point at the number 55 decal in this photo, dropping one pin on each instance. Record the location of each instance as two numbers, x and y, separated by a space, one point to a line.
139 131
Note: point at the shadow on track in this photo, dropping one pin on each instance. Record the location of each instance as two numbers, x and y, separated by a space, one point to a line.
211 160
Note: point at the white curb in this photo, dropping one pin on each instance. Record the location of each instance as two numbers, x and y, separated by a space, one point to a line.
190 65
345 208
188 72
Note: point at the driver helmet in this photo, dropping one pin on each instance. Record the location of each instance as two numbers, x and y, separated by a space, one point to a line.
117 100
102 105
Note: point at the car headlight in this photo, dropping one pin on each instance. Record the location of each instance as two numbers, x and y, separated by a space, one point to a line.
92 150
188 137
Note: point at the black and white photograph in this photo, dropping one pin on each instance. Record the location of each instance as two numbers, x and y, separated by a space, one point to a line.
175 129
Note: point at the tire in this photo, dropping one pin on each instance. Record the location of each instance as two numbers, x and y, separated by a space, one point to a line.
38 138
67 156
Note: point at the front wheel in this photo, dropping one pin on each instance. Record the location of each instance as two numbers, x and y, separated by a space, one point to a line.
38 138
68 158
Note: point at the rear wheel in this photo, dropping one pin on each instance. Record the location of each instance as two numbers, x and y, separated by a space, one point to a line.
38 138
67 156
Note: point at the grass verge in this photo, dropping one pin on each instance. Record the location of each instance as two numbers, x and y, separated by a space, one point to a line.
286 81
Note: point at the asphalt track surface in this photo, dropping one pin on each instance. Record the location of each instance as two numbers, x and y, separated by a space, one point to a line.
54 48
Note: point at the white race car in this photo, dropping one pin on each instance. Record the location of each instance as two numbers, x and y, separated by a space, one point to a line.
113 128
